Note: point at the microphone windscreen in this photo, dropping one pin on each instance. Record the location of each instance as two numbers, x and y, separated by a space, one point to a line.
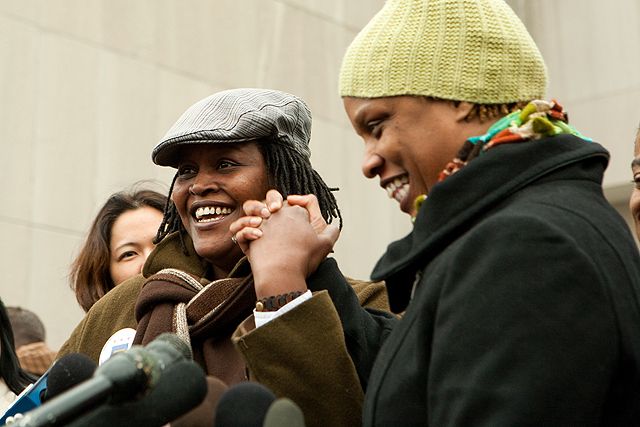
177 343
284 413
70 370
203 415
245 404
181 388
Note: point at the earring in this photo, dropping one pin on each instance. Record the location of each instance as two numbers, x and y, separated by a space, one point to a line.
417 203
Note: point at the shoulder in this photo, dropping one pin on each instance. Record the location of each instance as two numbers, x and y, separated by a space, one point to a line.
114 311
370 294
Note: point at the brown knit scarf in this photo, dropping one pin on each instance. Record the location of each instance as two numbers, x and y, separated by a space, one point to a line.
204 315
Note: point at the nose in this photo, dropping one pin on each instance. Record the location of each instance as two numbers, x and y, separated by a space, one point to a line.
203 183
145 255
371 163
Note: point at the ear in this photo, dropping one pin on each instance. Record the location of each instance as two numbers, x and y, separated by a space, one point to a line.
462 110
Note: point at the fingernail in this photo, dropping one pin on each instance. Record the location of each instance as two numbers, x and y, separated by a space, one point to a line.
257 233
274 206
255 221
265 212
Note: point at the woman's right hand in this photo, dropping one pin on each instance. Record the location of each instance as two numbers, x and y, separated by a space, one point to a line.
247 228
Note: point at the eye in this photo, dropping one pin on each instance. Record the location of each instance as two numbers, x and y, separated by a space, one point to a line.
226 164
636 180
374 127
126 255
185 171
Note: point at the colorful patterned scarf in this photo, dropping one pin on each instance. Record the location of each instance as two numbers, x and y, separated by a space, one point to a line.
539 119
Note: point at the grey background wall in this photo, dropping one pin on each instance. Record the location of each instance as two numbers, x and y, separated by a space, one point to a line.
89 86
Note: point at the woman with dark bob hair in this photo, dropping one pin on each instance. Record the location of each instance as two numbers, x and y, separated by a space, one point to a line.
118 243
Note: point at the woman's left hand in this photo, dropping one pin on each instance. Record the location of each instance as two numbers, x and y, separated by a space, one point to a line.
287 245
247 228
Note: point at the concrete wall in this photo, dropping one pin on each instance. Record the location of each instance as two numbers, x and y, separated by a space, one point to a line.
89 86
592 51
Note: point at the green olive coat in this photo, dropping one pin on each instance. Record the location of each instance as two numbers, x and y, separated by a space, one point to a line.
328 398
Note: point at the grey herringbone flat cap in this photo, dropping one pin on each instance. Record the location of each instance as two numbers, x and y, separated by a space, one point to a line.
239 115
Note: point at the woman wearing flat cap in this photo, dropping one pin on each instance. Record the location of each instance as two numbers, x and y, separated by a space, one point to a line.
226 149
520 283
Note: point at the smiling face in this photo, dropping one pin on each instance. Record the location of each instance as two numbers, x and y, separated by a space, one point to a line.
634 202
131 241
213 182
409 140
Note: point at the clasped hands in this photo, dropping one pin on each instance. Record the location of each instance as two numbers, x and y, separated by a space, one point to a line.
285 241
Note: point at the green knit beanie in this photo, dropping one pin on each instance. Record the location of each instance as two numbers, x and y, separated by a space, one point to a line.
464 50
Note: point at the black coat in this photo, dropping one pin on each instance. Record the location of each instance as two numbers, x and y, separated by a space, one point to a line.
526 303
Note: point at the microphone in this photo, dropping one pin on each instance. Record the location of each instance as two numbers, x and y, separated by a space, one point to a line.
26 401
244 405
181 388
70 370
126 375
203 415
284 413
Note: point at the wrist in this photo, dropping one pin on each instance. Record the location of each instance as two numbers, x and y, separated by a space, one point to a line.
276 302
269 283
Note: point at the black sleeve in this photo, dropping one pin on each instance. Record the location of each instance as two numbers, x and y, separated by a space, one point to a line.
365 330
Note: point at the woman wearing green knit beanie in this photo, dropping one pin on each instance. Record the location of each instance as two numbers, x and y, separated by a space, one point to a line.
519 284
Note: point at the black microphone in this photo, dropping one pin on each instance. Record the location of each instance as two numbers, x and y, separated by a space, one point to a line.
244 405
181 388
67 372
284 413
203 415
126 375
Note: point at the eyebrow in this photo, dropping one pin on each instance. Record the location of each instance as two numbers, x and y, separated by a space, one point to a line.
128 243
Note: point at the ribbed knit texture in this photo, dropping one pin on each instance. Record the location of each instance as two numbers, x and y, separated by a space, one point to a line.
466 50
240 115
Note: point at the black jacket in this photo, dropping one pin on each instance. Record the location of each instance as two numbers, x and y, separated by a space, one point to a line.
526 300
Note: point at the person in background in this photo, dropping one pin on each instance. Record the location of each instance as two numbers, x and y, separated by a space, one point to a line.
521 283
634 201
118 243
228 148
13 379
29 335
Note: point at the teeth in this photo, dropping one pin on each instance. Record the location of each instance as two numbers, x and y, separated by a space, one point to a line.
398 188
211 210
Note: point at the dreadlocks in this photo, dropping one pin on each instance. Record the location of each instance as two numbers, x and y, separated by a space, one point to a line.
486 112
292 173
289 173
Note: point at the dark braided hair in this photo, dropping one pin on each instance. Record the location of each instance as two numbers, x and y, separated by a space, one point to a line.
289 173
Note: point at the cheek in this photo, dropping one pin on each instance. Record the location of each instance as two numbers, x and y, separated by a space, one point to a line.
634 203
117 273
123 271
179 198
255 188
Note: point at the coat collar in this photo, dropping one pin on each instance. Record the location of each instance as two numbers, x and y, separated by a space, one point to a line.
170 253
454 204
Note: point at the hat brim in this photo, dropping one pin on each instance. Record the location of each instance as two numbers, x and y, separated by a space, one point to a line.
167 153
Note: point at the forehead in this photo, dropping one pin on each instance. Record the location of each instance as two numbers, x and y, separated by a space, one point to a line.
134 222
358 107
205 151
